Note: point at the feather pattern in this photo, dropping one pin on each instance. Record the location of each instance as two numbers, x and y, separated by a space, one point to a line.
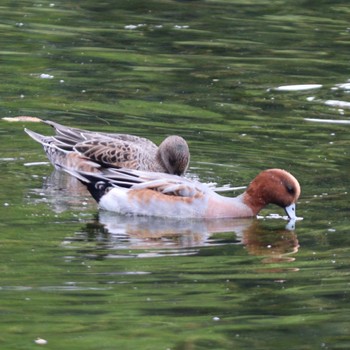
70 147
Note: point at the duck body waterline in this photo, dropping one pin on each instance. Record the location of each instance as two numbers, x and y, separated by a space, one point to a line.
76 148
143 193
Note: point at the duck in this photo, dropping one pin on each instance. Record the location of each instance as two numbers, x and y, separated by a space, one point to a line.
85 150
132 192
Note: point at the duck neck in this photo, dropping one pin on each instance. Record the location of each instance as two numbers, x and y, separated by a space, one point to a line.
255 203
221 206
161 165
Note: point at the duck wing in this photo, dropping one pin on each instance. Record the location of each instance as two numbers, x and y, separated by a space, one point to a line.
79 135
118 153
171 185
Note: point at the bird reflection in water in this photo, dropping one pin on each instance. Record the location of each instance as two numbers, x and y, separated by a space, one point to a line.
138 236
62 192
273 244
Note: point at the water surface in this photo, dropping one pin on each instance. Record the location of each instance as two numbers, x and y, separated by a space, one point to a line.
251 85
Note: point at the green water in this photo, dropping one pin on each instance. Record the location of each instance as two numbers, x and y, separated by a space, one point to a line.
210 71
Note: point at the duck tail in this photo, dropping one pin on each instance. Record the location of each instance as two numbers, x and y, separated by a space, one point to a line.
37 137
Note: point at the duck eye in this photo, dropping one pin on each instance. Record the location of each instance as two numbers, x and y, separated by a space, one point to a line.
290 189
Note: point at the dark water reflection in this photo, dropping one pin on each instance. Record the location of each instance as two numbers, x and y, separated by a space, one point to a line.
250 85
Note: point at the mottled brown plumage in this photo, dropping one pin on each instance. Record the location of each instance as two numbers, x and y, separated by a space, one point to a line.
74 148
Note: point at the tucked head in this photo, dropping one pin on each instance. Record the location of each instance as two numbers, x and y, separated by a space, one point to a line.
174 154
274 186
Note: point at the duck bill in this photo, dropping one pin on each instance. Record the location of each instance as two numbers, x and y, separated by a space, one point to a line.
291 212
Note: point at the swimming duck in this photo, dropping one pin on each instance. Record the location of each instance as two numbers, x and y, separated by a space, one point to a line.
152 194
87 150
